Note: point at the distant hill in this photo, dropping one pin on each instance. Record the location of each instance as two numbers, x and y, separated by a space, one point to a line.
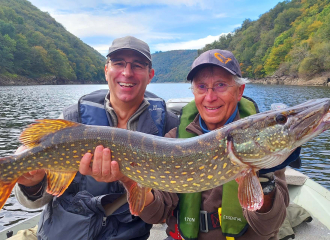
172 66
292 39
34 47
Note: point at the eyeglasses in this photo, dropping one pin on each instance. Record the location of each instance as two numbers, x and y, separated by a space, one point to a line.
120 65
202 88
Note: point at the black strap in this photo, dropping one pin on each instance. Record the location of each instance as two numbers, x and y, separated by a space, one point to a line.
208 221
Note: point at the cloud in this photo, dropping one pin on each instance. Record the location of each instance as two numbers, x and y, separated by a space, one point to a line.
192 44
85 25
99 4
102 48
220 15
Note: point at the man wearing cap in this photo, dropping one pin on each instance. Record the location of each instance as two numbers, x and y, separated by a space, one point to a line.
218 86
94 205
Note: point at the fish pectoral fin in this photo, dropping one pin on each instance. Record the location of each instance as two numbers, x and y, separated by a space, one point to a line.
5 191
250 193
58 181
137 198
31 136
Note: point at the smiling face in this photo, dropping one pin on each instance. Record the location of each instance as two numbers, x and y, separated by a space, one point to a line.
127 87
215 108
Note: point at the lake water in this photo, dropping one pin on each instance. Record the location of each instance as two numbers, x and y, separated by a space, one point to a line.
20 105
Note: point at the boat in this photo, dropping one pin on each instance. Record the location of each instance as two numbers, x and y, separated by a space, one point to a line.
303 191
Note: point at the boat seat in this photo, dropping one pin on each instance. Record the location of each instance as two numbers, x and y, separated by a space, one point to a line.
294 177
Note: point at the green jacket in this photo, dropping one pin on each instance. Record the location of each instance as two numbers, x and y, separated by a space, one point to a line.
190 203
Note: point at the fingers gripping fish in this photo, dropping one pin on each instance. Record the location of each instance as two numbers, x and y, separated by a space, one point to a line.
236 151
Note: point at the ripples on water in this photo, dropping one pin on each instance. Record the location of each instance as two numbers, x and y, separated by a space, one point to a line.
20 106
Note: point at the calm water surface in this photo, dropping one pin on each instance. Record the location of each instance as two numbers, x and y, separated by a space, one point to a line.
19 106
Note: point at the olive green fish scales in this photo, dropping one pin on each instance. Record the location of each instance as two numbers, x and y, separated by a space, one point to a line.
235 151
159 163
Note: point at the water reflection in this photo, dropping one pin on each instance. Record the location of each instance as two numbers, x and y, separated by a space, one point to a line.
20 106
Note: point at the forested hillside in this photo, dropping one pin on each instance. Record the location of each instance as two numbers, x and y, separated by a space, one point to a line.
35 46
292 39
172 66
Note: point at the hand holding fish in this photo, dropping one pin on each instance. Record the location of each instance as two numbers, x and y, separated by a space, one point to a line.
102 169
105 170
30 178
236 151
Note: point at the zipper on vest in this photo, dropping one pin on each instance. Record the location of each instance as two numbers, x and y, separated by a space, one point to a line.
104 221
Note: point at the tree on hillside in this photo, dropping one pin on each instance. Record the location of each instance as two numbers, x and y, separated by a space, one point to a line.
291 39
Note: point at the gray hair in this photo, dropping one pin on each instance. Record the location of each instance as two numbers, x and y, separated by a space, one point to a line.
240 81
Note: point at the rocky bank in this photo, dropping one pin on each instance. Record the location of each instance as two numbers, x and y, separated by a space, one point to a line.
321 80
49 80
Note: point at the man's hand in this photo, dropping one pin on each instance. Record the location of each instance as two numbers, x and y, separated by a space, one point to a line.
31 178
102 169
105 170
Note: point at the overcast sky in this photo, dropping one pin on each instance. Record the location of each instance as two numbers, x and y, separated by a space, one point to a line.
165 25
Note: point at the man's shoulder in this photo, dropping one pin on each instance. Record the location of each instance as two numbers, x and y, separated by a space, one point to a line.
172 121
71 113
148 94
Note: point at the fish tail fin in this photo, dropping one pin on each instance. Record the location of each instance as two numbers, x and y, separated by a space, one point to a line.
250 193
6 186
137 198
5 191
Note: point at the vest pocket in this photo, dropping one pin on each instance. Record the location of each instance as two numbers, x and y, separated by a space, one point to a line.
79 218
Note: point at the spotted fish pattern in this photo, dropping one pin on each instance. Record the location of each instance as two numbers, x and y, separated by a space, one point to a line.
235 151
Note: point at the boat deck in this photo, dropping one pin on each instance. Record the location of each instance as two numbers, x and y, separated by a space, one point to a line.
313 230
305 231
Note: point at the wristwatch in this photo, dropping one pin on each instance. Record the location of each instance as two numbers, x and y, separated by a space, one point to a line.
267 182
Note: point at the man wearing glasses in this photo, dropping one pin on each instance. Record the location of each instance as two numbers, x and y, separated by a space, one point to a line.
218 87
94 205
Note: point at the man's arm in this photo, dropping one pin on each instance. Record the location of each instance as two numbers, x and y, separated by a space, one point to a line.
158 206
267 221
30 187
105 170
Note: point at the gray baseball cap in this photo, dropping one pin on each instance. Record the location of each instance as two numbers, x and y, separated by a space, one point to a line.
217 57
132 43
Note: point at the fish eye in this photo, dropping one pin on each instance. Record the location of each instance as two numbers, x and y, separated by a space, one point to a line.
281 119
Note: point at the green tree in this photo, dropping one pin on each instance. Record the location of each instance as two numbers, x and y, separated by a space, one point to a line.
40 62
277 56
7 49
22 55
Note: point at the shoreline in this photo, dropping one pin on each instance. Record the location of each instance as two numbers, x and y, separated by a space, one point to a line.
321 81
48 80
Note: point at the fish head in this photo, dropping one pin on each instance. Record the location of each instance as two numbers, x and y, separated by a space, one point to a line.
309 120
266 139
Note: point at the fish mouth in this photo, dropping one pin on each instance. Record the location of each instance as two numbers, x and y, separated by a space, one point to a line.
326 118
311 120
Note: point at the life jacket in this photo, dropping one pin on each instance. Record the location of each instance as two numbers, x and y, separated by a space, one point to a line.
91 111
232 221
78 211
92 105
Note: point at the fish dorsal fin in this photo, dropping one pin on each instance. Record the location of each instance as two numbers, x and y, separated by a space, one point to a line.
58 181
31 136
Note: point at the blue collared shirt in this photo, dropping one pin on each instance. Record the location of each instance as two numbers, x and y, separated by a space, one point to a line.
203 124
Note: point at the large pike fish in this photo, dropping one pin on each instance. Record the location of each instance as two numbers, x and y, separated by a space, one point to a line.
235 151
